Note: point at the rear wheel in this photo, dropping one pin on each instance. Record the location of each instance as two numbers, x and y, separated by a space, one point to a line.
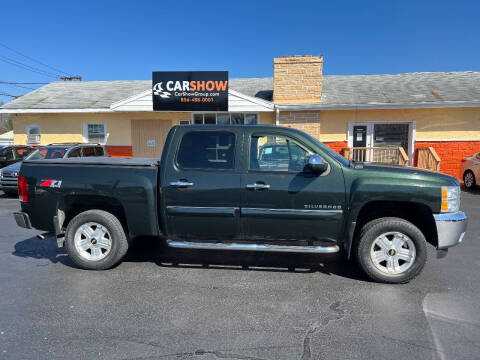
469 179
95 240
391 250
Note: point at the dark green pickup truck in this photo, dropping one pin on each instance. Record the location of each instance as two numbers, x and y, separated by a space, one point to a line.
255 188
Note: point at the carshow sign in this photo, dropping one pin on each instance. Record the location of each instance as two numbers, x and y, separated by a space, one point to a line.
190 90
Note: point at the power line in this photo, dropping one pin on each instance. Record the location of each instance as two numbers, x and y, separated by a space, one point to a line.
24 83
26 67
5 94
34 60
17 86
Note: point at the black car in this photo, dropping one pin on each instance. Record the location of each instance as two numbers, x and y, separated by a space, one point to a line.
9 174
13 153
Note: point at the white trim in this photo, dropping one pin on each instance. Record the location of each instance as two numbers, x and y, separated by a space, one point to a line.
412 125
117 104
429 105
85 131
268 104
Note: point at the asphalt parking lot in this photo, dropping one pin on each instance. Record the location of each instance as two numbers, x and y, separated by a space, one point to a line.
162 303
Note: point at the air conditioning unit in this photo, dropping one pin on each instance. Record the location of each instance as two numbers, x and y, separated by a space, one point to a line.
33 139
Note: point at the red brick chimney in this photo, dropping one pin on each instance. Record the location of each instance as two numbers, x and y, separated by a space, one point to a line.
297 79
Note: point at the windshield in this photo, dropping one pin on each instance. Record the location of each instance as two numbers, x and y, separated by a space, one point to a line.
47 153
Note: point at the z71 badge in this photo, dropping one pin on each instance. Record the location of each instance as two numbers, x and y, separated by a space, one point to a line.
51 183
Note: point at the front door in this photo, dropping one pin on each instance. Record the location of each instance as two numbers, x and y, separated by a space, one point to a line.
282 199
201 189
360 143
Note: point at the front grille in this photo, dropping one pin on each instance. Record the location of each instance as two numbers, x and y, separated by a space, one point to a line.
10 174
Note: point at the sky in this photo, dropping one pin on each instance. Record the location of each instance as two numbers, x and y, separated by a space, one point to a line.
123 40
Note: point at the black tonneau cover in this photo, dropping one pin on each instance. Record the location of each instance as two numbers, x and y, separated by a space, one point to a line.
98 160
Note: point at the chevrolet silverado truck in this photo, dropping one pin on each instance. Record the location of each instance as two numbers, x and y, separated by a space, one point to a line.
254 188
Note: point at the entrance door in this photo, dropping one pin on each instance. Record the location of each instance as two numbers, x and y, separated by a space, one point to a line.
282 199
201 190
148 137
361 141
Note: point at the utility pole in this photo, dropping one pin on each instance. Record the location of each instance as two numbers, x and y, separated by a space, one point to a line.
70 78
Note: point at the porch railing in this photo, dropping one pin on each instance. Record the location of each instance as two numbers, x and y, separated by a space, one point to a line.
428 159
385 155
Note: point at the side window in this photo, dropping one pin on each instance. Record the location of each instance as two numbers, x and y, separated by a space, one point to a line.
77 152
88 151
99 151
207 150
20 153
277 153
8 154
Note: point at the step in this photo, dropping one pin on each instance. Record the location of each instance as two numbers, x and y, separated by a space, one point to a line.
252 247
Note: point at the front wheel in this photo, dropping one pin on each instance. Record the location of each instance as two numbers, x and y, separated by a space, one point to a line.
391 250
95 240
469 179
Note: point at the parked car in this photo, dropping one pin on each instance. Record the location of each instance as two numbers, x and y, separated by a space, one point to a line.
9 174
470 170
209 192
13 153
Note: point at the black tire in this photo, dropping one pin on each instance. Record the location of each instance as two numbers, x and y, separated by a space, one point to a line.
119 242
11 193
472 184
371 231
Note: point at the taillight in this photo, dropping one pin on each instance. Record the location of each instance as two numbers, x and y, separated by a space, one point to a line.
463 160
23 189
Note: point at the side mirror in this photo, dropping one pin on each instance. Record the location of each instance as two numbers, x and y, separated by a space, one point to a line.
317 164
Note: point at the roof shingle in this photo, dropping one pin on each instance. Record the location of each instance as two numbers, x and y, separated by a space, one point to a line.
409 88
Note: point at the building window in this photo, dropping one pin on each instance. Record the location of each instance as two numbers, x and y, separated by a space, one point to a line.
95 133
225 118
33 135
184 122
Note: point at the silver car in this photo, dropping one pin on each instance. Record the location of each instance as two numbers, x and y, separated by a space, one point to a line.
470 170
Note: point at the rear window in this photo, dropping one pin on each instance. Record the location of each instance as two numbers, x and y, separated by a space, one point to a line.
207 150
47 153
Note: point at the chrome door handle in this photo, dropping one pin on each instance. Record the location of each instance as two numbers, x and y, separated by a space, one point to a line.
181 183
257 186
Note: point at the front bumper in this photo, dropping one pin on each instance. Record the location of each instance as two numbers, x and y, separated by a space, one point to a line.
22 219
451 228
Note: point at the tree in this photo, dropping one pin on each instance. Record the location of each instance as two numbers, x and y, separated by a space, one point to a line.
5 122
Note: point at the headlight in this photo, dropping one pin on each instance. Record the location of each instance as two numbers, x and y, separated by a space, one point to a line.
450 198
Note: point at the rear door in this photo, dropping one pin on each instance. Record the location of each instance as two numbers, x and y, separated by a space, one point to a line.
284 200
201 184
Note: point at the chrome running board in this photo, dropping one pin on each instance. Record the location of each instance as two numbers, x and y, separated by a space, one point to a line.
252 247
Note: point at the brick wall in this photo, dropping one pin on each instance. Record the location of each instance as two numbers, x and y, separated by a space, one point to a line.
297 79
451 153
119 151
337 146
307 121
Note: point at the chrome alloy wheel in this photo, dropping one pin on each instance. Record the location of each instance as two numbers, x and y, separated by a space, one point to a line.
93 241
393 253
468 179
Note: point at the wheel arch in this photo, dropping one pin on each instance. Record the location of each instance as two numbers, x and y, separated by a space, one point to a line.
70 206
418 214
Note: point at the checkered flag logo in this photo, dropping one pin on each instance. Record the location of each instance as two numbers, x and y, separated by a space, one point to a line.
157 90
